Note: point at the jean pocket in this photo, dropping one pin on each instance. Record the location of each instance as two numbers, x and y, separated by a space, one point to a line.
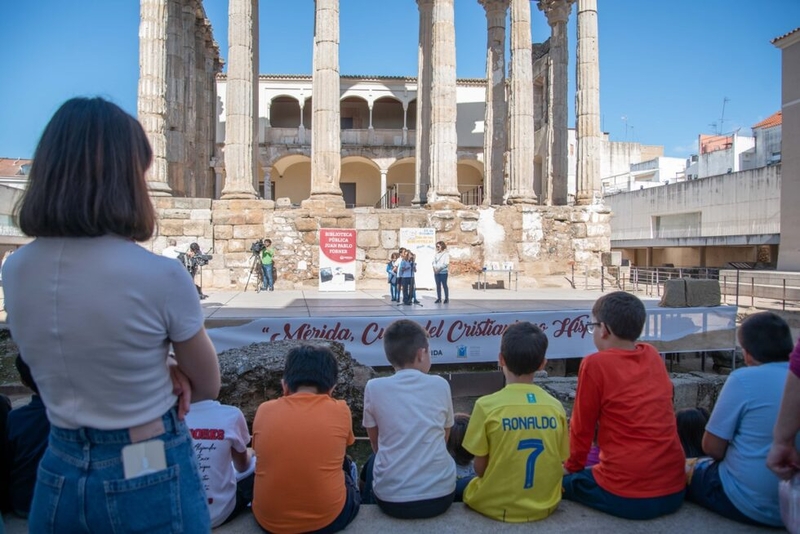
47 494
147 503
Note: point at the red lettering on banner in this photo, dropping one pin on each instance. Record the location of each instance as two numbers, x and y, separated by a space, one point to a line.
435 331
570 325
371 334
305 332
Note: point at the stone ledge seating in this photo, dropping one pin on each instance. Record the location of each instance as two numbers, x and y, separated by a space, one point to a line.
569 518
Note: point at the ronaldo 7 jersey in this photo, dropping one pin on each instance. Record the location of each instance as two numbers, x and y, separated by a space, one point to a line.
524 432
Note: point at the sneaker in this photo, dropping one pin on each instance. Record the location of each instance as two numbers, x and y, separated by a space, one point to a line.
437 301
272 289
416 302
446 301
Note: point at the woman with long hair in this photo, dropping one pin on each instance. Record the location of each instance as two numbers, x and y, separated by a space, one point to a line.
94 315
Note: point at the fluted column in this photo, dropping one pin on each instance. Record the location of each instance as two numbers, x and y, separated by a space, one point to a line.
152 93
587 104
444 142
422 177
520 143
326 146
241 102
494 133
557 12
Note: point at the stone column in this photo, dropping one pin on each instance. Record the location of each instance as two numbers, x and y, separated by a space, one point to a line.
587 104
494 124
176 96
384 200
520 109
241 102
444 141
326 145
422 178
557 12
152 97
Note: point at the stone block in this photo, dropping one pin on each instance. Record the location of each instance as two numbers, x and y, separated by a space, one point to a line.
197 229
224 216
674 294
368 239
248 231
702 292
175 214
200 215
556 367
237 245
254 216
223 231
170 227
467 226
368 222
306 224
283 203
684 393
389 240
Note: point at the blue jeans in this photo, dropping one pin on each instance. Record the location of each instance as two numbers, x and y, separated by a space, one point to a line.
581 487
441 282
268 280
707 491
81 486
394 291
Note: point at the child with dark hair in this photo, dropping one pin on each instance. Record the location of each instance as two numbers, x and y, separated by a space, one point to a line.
625 396
518 436
465 469
26 436
303 481
391 274
735 482
408 417
691 425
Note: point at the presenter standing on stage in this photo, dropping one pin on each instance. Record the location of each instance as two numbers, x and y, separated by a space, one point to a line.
441 264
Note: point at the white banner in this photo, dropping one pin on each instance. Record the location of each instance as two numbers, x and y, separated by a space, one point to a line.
337 259
468 338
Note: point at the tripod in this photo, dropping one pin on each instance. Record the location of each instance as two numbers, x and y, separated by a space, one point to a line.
256 267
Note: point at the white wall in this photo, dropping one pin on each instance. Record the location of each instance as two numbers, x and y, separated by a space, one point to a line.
743 203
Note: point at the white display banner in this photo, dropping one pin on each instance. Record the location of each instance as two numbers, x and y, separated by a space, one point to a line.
468 338
422 242
337 259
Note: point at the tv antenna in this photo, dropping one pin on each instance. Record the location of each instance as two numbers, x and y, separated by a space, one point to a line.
725 100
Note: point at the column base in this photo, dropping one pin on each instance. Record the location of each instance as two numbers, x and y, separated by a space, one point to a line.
512 200
238 195
323 203
159 189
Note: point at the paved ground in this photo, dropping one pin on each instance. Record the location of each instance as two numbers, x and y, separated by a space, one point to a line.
569 518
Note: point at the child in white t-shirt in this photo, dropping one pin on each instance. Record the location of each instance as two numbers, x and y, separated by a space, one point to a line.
408 417
220 438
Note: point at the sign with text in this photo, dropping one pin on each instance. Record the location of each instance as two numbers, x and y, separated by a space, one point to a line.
337 259
470 338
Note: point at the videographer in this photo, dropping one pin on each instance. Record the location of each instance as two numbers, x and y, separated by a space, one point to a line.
194 259
267 254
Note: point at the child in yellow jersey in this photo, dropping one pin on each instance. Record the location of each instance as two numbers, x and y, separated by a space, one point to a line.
519 437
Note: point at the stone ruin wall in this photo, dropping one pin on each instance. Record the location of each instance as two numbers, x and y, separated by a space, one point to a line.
541 240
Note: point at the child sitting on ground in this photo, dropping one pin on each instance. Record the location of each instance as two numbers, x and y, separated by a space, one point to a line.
27 434
736 482
408 417
465 469
625 388
518 436
303 479
220 437
691 425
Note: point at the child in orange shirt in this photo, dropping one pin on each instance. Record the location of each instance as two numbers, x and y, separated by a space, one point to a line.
303 481
625 393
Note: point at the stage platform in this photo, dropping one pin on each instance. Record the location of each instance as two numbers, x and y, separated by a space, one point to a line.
232 307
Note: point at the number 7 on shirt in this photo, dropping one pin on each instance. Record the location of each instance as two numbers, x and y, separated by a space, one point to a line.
530 466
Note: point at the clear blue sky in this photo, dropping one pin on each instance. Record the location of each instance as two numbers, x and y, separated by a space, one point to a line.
665 65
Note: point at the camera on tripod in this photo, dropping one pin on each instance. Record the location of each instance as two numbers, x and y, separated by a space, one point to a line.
200 260
257 246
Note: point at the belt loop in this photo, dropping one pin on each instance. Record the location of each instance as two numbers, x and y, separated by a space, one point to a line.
174 422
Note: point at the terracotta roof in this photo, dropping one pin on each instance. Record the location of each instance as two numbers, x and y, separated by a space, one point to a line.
785 35
773 120
12 166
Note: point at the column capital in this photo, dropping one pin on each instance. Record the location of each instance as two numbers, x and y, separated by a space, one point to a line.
556 11
494 5
425 4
